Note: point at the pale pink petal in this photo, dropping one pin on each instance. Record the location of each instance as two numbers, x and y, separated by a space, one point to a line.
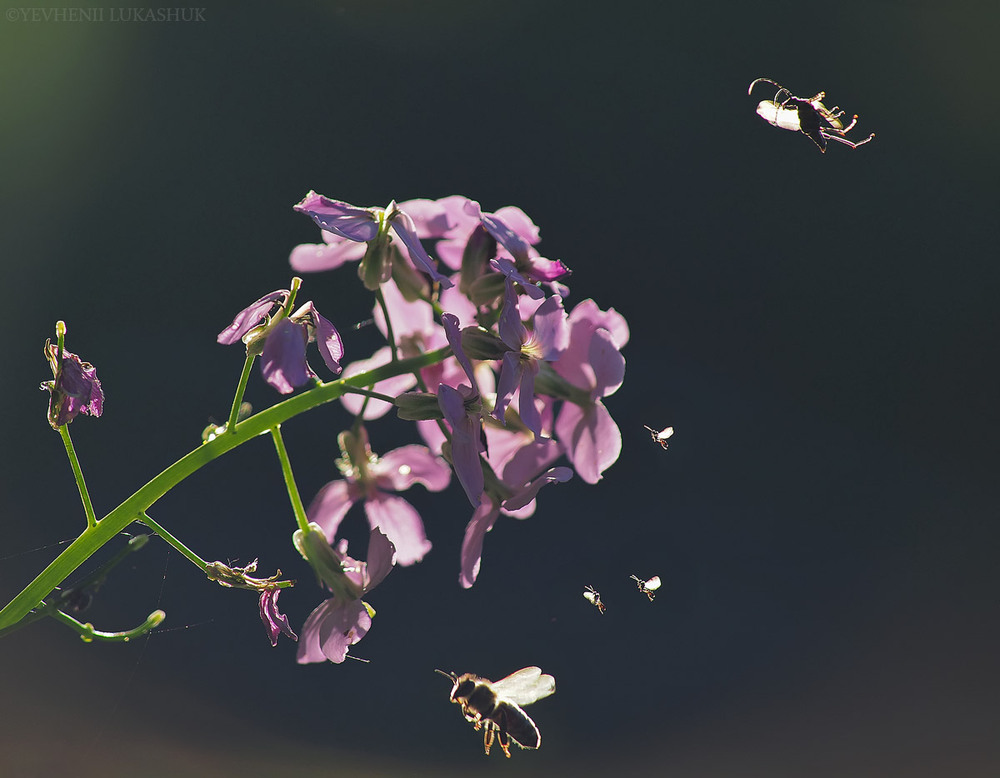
472 545
317 257
381 558
401 524
526 495
591 439
608 364
330 505
332 628
400 468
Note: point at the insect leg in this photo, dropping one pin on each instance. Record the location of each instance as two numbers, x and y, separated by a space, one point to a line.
853 122
504 741
845 141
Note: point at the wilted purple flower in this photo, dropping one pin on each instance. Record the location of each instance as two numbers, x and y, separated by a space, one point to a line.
544 343
74 388
372 479
274 622
281 341
592 362
342 620
522 471
365 226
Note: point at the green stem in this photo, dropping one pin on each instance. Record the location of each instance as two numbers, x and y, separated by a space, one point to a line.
234 414
388 323
192 557
286 470
369 393
81 484
89 634
94 537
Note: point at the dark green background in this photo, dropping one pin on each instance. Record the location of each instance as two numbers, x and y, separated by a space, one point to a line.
819 329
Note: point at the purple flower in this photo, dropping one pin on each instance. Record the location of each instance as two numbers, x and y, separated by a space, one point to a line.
274 622
592 362
74 388
463 409
353 225
342 620
544 343
517 234
281 341
373 479
523 469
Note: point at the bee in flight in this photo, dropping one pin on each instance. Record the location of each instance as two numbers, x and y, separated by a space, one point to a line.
496 706
648 587
660 436
593 596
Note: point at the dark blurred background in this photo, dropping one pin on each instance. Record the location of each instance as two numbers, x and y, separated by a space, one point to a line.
819 329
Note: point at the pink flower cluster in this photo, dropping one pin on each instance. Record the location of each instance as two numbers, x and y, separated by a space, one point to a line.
524 385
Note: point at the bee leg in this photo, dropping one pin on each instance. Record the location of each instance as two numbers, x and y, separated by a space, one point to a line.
488 736
504 741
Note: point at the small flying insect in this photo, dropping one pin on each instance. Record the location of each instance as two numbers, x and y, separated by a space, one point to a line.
661 436
648 587
810 117
496 706
593 596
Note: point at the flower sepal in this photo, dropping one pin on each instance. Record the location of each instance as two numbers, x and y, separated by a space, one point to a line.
326 562
549 382
483 344
486 289
418 406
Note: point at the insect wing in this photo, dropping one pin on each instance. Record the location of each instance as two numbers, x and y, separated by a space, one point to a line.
510 719
660 436
525 686
777 116
653 584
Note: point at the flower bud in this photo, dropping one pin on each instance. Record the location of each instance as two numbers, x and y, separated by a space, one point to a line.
376 265
325 561
478 251
486 289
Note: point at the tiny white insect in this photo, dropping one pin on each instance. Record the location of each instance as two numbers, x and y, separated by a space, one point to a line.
593 596
649 586
810 117
660 436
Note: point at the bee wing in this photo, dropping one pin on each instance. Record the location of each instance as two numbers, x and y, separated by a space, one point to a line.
513 721
654 583
590 597
525 686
